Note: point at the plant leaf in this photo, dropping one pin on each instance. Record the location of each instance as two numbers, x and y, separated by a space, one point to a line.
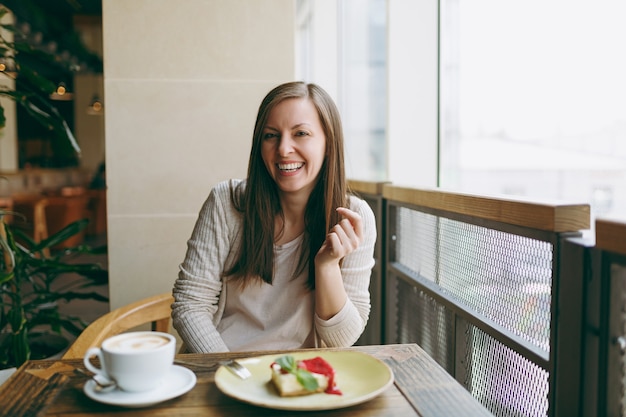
287 362
6 277
72 295
306 379
63 234
71 326
20 347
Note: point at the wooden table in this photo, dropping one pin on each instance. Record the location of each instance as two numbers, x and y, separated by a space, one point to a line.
421 388
49 212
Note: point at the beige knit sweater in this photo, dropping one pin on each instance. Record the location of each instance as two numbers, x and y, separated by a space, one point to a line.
212 314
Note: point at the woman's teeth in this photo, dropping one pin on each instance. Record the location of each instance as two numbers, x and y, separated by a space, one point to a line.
290 167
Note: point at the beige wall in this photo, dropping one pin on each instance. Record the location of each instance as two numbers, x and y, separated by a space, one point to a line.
183 81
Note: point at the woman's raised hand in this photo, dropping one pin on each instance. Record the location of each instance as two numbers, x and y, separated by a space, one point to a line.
343 238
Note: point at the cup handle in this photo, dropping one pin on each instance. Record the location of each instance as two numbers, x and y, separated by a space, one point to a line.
94 351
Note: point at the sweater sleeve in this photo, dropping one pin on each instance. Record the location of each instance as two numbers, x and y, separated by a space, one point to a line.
344 328
197 290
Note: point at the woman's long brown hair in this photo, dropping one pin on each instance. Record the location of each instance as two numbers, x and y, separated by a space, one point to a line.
260 204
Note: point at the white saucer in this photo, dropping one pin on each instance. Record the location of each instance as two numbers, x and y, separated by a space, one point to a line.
180 381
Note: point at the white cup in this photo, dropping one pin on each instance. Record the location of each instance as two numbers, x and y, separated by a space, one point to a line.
136 361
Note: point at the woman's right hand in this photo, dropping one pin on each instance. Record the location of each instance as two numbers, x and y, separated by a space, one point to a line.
343 239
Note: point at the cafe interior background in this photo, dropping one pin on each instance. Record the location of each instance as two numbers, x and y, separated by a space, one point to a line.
483 97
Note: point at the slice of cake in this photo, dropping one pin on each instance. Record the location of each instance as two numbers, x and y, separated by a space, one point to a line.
303 377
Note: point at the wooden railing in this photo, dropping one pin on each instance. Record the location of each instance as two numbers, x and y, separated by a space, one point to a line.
553 217
491 287
611 235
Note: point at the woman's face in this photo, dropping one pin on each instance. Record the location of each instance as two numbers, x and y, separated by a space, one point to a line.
294 146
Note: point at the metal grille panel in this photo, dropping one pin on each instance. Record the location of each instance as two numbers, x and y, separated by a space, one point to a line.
421 320
504 276
505 382
502 380
415 233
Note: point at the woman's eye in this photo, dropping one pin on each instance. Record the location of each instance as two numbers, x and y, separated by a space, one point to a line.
302 133
268 136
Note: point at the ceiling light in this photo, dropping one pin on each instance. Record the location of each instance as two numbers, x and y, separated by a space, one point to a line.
95 108
61 93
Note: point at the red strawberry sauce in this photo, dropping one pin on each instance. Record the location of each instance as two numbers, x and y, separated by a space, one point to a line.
320 366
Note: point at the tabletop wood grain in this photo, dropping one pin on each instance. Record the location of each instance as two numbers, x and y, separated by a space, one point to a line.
421 388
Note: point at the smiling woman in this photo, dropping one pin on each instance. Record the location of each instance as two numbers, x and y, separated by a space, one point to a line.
281 259
293 148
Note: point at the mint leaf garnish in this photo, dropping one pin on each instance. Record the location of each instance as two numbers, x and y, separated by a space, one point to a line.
287 362
304 377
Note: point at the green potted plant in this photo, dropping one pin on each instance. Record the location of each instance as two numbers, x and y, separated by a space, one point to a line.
41 49
29 294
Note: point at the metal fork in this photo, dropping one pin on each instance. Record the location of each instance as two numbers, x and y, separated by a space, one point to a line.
231 364
236 368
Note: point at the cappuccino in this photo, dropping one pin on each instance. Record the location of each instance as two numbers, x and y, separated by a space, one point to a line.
127 343
136 361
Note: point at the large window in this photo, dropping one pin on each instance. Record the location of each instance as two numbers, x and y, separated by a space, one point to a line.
532 99
532 94
358 70
362 86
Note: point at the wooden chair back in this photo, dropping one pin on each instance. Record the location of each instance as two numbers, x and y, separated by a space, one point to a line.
156 310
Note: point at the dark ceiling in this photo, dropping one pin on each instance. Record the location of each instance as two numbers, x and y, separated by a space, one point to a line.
52 17
51 22
57 7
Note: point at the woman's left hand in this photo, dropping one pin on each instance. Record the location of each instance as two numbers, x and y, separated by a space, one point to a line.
343 238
